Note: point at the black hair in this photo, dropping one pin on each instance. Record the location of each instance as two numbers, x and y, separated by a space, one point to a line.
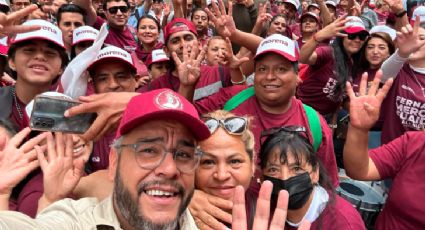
196 10
12 51
147 16
287 32
10 128
343 66
362 65
301 149
105 3
71 8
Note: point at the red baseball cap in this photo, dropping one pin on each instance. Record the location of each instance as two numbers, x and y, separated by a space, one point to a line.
177 25
162 104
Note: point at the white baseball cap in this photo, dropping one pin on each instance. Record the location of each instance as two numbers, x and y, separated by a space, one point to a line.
384 29
331 3
157 55
209 2
354 25
5 4
280 45
84 33
113 53
47 31
295 3
419 11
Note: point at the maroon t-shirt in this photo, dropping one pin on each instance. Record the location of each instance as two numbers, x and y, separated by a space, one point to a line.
263 120
27 201
318 88
404 106
402 160
99 158
370 76
122 39
339 215
143 55
209 83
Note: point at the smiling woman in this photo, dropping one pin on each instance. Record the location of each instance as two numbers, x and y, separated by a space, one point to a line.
227 159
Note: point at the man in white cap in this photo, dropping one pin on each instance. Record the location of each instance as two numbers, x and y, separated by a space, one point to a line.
112 71
157 63
37 58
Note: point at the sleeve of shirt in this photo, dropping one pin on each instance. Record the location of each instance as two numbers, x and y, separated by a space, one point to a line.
326 152
98 23
389 158
218 100
324 55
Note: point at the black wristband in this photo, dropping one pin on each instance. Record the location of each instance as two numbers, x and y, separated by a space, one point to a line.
401 14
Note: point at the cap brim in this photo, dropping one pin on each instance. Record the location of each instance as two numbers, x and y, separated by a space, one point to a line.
195 126
309 15
285 55
38 38
353 30
83 40
94 64
160 60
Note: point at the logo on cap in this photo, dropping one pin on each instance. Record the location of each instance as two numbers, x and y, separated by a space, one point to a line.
168 100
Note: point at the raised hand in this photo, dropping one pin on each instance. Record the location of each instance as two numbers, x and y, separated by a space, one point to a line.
223 22
9 24
364 108
263 16
333 29
231 60
109 108
17 161
60 172
262 212
410 39
188 69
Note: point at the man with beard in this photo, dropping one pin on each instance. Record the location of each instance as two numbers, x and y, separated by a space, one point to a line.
151 187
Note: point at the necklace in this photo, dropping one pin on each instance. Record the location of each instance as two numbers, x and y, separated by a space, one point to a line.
18 107
417 81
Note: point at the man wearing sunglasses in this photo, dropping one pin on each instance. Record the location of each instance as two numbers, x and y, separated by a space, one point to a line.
117 13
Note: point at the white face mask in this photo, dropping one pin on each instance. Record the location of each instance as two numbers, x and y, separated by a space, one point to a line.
318 204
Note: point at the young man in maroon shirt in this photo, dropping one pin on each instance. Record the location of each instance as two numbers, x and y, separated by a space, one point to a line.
117 13
180 37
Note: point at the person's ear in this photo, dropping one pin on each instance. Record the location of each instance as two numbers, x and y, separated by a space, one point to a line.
12 65
315 176
113 164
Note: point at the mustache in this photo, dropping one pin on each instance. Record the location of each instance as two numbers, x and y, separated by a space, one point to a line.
169 183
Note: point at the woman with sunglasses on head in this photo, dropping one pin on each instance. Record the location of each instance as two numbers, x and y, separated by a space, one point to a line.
148 31
290 163
323 87
227 161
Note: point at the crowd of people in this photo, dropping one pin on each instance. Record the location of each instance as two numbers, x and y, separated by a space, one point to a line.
259 103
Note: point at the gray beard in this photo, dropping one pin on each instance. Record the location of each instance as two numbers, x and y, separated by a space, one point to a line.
135 217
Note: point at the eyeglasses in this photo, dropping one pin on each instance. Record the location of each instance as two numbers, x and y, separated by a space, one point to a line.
288 129
278 3
233 125
150 155
361 36
114 10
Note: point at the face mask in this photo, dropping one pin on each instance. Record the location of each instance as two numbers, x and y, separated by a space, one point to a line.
299 188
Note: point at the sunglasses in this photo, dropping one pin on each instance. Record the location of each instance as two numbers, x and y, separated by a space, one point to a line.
233 125
300 130
361 36
114 10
